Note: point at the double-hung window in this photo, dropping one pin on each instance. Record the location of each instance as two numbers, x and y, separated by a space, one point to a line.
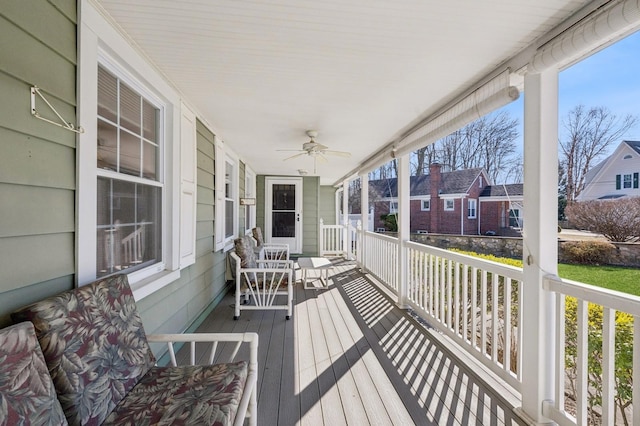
449 204
136 205
249 192
471 208
425 205
129 177
227 196
230 176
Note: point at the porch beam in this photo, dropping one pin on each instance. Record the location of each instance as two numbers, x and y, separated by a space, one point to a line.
404 211
540 253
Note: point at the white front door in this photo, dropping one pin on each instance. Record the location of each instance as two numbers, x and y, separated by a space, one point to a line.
283 212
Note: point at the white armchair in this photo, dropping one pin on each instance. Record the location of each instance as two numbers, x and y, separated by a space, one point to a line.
262 283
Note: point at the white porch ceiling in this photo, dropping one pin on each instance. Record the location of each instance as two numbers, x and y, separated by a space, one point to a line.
361 72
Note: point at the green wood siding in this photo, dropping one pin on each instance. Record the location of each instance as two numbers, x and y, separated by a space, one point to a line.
328 204
310 218
37 159
260 200
180 305
310 212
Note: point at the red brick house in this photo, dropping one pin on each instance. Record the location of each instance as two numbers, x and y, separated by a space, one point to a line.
458 202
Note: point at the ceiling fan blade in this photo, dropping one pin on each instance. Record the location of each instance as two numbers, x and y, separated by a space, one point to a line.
338 153
321 158
291 150
295 156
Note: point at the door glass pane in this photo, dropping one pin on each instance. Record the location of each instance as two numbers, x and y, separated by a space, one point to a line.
284 225
284 197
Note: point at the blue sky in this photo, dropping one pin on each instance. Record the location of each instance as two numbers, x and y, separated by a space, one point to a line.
609 78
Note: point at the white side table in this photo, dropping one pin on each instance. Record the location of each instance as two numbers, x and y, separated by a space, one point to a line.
315 264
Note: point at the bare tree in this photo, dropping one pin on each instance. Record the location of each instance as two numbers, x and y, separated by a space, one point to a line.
488 142
618 220
589 135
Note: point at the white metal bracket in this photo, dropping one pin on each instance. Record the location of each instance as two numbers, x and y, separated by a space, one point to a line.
35 90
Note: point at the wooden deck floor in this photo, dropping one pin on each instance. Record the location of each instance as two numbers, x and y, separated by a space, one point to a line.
350 356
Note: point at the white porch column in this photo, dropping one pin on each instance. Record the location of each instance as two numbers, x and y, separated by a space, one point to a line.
404 213
540 242
364 200
364 213
345 218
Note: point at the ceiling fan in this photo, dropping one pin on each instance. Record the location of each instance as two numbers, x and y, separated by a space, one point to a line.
315 150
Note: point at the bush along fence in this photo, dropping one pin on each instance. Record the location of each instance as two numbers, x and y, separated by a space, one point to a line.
623 370
584 252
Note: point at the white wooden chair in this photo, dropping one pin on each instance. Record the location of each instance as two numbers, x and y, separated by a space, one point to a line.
264 283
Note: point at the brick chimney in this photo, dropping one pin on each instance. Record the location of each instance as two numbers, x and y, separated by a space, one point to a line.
435 178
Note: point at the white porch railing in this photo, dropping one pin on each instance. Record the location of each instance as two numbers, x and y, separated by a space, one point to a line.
477 302
598 361
337 240
378 254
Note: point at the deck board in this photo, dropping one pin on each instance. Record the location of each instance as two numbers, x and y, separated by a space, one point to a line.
350 356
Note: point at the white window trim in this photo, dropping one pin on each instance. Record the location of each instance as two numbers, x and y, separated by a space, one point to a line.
475 208
422 205
393 207
224 153
250 192
102 43
453 204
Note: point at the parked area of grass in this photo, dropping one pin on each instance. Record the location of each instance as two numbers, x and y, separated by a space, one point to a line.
612 277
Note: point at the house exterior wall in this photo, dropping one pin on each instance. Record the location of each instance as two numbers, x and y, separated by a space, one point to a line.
310 210
310 214
604 183
183 304
38 177
327 205
419 220
37 159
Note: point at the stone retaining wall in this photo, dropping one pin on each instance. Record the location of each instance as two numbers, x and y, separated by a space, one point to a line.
625 254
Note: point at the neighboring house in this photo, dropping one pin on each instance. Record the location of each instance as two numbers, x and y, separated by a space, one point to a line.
501 208
616 176
457 202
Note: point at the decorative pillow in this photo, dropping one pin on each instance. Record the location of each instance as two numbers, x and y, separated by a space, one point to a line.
27 395
244 249
257 235
94 345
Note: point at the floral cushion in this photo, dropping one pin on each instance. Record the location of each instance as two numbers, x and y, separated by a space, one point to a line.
94 345
244 249
27 395
189 395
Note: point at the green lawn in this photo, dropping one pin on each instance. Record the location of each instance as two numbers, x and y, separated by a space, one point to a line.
612 277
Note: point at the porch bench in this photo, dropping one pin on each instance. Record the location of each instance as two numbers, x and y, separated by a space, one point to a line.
103 370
